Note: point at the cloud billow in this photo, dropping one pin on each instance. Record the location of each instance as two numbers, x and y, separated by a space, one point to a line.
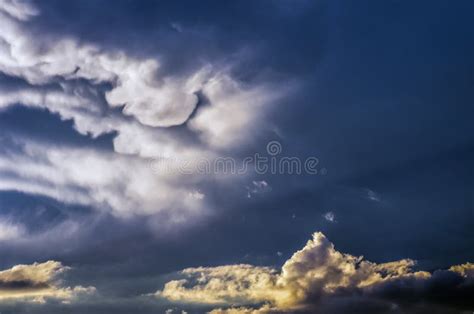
318 278
38 283
67 77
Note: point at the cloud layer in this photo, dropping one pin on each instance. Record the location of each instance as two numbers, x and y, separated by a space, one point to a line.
38 282
316 276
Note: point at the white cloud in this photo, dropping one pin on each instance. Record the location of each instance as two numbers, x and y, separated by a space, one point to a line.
153 99
330 216
10 231
371 195
21 10
164 102
61 75
124 184
234 111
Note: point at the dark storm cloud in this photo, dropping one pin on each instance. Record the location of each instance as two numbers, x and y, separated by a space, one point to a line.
444 288
444 292
383 99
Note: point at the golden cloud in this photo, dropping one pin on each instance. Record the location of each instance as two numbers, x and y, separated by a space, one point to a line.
38 282
316 272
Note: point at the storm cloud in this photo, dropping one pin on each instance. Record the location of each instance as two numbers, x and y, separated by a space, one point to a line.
109 108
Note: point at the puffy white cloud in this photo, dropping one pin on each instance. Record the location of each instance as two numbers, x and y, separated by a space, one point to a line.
320 269
152 102
37 283
313 274
151 97
234 110
166 103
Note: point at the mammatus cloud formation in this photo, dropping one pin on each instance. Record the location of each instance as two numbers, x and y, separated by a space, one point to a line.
38 282
316 275
83 82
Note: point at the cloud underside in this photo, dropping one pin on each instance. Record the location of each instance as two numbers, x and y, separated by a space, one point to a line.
318 278
38 283
86 83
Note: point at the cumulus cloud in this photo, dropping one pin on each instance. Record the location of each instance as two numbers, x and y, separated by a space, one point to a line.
233 112
314 276
38 282
153 102
233 284
153 98
465 270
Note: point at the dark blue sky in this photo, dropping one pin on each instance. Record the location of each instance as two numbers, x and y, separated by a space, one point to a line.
91 92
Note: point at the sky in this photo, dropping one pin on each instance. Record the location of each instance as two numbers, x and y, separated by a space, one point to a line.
236 157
